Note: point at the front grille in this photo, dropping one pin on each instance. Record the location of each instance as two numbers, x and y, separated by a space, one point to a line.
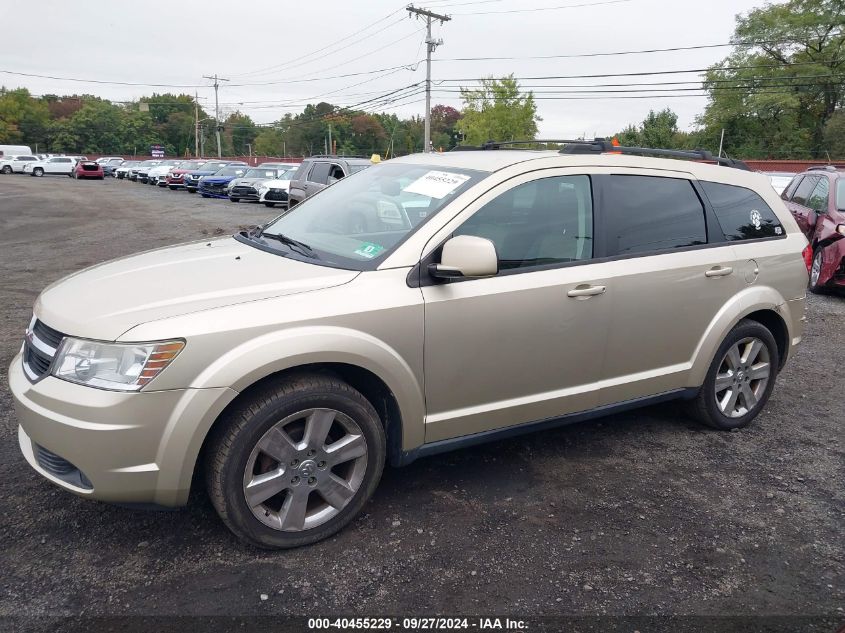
42 343
276 195
244 190
61 468
213 188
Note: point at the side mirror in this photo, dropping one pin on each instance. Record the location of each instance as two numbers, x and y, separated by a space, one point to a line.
466 256
812 218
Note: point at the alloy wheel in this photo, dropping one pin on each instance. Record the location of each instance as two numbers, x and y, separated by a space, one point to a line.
816 269
742 377
305 469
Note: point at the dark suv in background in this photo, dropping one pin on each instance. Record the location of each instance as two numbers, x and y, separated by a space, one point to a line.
816 199
318 172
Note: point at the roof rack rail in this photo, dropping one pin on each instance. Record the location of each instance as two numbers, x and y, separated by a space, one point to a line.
826 168
603 146
336 156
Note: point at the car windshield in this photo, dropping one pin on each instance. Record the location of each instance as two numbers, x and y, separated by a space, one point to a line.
286 175
230 172
260 173
840 193
359 220
149 163
354 169
166 163
211 166
130 163
191 164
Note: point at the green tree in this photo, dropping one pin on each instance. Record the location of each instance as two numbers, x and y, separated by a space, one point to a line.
23 119
498 110
269 142
834 135
775 93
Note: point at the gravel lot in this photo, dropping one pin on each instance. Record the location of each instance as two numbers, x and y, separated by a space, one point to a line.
641 513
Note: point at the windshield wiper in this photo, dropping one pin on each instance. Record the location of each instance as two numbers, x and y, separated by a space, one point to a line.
300 247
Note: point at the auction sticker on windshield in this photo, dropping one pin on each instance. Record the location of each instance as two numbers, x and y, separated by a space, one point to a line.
436 184
369 250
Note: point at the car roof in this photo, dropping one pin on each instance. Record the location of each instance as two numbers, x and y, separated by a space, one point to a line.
494 160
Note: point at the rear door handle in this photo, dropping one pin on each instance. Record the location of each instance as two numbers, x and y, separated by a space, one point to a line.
586 291
719 271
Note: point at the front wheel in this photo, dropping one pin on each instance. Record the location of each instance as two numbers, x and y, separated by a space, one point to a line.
191 190
205 195
7 169
231 199
295 462
270 205
172 188
740 379
38 171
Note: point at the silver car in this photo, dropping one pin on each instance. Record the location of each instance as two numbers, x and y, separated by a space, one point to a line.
427 303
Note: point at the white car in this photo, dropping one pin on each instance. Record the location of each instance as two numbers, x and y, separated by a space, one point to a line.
273 192
158 175
105 159
58 165
15 164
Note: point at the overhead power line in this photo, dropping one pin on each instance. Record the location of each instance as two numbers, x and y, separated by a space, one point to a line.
537 9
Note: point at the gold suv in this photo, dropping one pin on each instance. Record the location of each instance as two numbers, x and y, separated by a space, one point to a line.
426 303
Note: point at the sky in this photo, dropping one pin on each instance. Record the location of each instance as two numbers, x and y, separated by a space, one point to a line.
280 55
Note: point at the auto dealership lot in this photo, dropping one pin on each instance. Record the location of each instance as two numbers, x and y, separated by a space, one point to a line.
642 513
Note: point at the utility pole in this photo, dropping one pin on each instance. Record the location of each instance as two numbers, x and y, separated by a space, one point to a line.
217 81
196 124
330 139
431 45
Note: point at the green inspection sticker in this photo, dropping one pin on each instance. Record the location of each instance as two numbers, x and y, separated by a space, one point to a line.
369 250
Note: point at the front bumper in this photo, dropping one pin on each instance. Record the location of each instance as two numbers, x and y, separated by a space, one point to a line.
127 447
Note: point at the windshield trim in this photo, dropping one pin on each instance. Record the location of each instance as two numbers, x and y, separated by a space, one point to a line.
288 252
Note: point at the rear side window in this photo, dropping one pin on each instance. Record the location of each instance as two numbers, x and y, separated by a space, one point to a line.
651 213
320 173
802 193
787 193
742 214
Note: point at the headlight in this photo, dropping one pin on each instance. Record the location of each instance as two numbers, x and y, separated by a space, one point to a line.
120 366
840 228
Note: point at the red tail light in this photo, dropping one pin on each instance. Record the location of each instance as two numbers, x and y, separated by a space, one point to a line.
807 254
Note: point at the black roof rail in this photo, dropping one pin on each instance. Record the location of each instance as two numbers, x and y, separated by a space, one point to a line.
603 146
826 168
338 156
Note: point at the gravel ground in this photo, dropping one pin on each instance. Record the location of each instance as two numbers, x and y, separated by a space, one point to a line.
641 513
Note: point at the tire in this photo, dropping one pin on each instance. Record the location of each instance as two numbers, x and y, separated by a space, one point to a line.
312 401
815 273
192 190
739 376
38 172
7 169
269 205
231 199
205 195
172 188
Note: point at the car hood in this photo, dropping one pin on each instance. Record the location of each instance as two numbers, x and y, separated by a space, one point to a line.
208 180
277 184
106 300
195 172
249 182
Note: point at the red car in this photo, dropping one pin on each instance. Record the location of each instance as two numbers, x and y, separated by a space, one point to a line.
88 169
176 177
816 199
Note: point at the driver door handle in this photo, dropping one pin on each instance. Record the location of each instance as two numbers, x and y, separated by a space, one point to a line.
586 291
719 271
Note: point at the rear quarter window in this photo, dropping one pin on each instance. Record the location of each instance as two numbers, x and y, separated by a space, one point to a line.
742 213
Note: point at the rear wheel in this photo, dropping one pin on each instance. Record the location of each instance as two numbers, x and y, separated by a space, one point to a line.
7 169
38 171
295 462
816 272
740 379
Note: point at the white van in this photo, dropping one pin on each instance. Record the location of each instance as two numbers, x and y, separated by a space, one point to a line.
14 150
